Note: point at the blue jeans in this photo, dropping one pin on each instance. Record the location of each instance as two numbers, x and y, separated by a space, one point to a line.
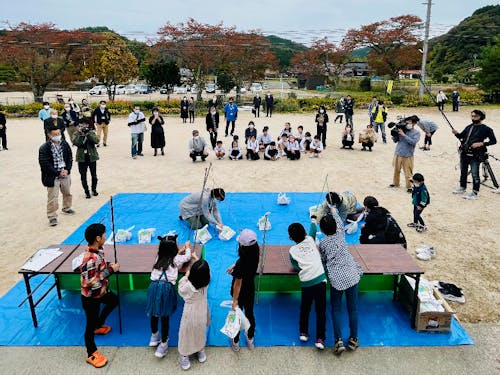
474 163
351 295
380 125
137 140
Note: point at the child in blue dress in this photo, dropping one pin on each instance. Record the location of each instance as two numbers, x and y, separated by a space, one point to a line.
162 296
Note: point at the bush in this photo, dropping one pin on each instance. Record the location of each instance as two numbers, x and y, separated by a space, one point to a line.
365 84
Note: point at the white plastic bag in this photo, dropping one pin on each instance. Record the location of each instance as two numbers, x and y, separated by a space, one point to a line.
313 211
353 225
226 233
202 235
263 223
283 199
235 322
145 235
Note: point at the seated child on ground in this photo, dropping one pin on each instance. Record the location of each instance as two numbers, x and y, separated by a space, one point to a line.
293 149
286 131
305 144
271 152
316 147
282 145
235 150
252 149
220 151
299 135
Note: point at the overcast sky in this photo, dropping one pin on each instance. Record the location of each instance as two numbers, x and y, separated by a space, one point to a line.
299 20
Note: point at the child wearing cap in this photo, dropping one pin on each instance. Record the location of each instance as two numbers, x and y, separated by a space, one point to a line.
305 259
420 200
243 286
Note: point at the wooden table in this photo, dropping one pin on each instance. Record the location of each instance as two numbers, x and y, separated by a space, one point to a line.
373 259
133 259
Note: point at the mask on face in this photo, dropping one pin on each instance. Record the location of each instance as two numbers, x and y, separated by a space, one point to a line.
348 129
53 116
46 107
56 138
196 137
321 111
155 113
330 205
409 127
136 111
103 106
416 184
213 112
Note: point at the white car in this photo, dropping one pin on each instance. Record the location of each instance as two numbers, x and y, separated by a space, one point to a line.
120 89
210 87
255 87
98 90
180 90
130 89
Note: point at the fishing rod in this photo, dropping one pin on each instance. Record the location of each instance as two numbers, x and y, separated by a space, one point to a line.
263 256
116 261
198 218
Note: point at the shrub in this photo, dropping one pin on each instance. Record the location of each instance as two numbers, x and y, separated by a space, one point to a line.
365 84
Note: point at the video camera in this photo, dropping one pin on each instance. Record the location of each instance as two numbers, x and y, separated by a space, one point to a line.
84 129
396 126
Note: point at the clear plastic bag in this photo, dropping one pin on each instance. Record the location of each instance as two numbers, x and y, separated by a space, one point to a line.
235 322
283 199
226 233
202 235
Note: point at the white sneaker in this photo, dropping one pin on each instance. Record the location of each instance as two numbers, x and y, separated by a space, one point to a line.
460 190
202 356
155 339
425 255
250 342
235 345
162 350
184 362
496 191
425 248
471 196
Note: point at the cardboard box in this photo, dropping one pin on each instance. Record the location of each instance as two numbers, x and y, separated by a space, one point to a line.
427 321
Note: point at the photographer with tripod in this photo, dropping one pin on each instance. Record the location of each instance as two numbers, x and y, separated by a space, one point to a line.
86 140
473 152
406 138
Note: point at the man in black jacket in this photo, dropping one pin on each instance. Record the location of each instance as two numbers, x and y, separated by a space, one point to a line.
269 105
3 131
473 152
55 159
212 122
54 121
257 101
349 110
102 118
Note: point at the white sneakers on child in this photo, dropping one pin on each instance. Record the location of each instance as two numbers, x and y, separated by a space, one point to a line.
162 350
155 339
202 356
184 362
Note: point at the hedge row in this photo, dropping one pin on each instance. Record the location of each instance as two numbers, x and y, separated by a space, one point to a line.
286 105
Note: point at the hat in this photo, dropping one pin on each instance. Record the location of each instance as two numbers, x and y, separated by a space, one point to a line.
247 237
195 132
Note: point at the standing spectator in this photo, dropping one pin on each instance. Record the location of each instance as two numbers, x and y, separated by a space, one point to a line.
371 106
420 200
3 130
231 114
269 105
74 107
43 115
86 113
429 128
157 133
102 118
55 159
197 147
191 109
257 101
70 119
136 121
85 140
321 124
54 121
184 109
378 117
213 102
212 122
339 109
441 98
349 110
455 98
403 158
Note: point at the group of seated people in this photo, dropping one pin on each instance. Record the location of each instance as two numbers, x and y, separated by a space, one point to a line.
367 138
288 144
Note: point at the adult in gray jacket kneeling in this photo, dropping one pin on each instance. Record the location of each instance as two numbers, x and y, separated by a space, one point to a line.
200 208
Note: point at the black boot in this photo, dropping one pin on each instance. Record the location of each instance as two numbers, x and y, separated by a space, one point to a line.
95 193
87 194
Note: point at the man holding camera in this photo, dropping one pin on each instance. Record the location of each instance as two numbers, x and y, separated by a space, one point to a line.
406 138
86 155
473 152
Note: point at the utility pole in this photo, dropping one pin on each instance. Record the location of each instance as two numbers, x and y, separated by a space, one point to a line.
426 48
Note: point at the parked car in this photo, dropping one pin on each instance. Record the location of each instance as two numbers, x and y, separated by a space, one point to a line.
165 90
243 90
180 90
255 87
120 89
130 89
210 87
194 87
143 89
265 86
98 90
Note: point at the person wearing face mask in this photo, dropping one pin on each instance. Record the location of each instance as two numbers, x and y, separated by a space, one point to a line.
102 118
378 118
70 119
197 147
43 115
191 109
184 109
250 131
200 208
86 155
231 114
54 121
157 133
212 122
420 200
74 106
55 159
269 105
474 139
321 124
213 102
257 101
349 109
403 155
86 113
136 123
347 137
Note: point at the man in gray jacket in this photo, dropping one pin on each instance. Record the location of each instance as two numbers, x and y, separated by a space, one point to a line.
200 208
197 147
428 127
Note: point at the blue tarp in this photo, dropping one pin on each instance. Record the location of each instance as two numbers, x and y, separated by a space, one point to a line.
382 322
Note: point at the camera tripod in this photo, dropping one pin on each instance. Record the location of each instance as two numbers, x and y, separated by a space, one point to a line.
487 173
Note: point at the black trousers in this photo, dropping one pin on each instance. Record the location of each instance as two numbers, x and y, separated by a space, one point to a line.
340 116
321 133
269 111
194 154
417 216
252 155
246 305
256 111
316 293
82 168
191 116
293 156
428 138
232 126
213 138
3 137
95 317
165 325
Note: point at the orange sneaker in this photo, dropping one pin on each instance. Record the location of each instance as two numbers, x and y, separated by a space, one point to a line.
97 359
102 330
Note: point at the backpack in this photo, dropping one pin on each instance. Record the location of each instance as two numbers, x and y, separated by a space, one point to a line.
393 233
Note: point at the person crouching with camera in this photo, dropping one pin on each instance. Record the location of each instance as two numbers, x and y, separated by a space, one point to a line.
86 140
406 138
473 152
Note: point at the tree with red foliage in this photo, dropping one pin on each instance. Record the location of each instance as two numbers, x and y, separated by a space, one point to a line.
41 54
322 59
393 43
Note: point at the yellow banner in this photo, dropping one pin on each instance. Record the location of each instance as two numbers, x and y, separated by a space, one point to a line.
389 86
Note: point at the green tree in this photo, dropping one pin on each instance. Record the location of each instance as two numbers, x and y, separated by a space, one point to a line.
489 76
160 72
225 81
112 64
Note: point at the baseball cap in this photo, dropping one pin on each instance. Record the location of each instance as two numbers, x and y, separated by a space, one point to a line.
247 237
